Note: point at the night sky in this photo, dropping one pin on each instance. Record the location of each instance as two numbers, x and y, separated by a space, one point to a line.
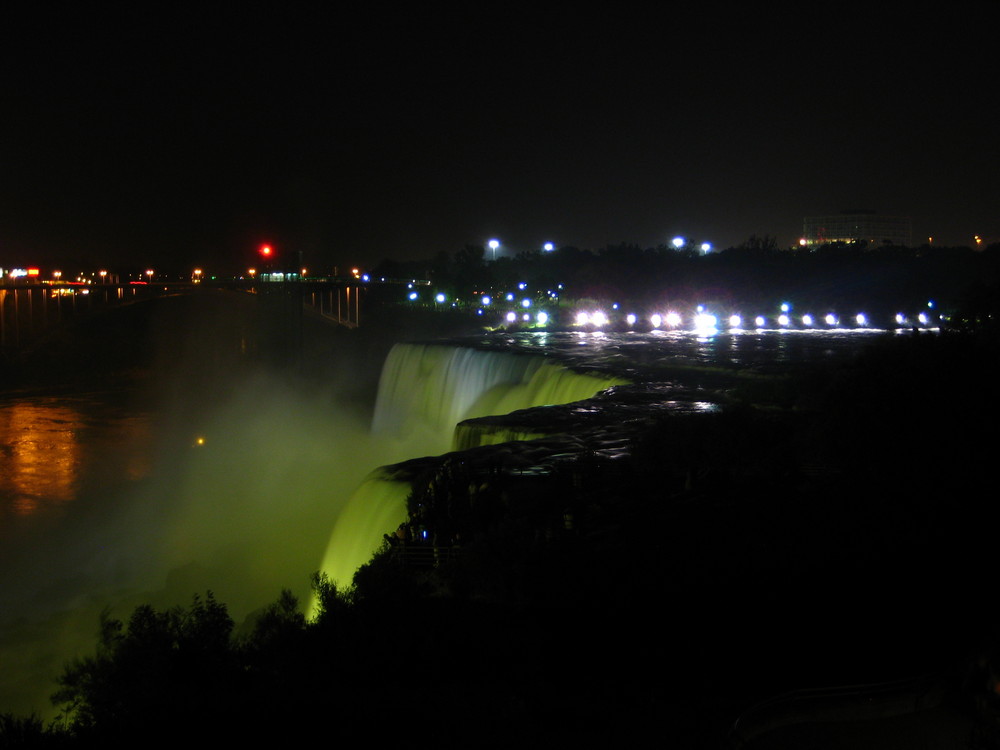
182 139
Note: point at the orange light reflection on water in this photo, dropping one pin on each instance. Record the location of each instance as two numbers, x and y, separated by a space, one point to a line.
39 455
45 448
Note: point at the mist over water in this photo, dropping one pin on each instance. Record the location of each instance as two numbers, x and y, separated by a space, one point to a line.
219 474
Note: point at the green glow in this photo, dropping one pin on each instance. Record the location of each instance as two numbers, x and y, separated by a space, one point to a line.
376 508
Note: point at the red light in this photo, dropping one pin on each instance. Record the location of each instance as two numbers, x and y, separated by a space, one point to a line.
266 251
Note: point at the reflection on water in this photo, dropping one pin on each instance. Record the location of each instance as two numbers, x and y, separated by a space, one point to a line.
40 455
640 353
49 447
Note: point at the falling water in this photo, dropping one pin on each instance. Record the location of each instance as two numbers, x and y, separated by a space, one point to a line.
424 392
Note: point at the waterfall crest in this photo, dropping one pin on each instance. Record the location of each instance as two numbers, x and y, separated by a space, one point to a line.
427 389
424 391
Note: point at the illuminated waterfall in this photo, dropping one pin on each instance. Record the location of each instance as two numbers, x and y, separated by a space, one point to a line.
468 436
377 507
425 390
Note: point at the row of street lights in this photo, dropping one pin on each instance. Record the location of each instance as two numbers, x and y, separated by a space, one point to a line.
678 243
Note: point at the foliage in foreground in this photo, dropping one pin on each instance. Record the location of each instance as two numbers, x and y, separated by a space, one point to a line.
176 671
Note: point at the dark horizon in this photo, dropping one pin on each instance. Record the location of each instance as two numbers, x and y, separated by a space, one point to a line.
188 141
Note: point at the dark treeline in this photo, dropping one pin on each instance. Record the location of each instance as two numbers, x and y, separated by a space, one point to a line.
756 275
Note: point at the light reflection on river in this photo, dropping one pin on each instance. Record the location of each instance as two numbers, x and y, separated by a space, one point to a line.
50 446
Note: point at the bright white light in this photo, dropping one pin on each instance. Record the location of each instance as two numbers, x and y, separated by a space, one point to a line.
900 318
783 320
706 247
413 295
582 318
440 298
922 317
677 242
526 317
760 321
862 319
494 244
807 320
735 321
486 300
526 303
655 320
543 318
599 319
785 307
831 319
673 319
630 319
511 317
548 247
705 322
522 285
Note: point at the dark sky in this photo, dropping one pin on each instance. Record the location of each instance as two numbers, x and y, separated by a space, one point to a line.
187 138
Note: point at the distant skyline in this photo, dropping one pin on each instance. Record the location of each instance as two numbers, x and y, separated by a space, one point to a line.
189 139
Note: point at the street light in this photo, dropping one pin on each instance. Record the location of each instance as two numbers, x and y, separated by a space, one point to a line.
494 244
548 247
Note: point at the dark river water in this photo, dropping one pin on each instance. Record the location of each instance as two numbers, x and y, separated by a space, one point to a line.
107 505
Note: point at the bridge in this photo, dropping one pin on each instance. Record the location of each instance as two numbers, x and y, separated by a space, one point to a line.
29 308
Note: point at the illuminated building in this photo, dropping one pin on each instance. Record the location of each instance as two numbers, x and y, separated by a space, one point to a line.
857 227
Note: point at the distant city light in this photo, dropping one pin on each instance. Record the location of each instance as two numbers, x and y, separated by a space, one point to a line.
678 242
674 319
543 318
862 319
599 319
655 320
486 300
807 320
512 317
705 322
440 298
526 303
548 247
760 321
630 319
735 321
831 319
783 320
